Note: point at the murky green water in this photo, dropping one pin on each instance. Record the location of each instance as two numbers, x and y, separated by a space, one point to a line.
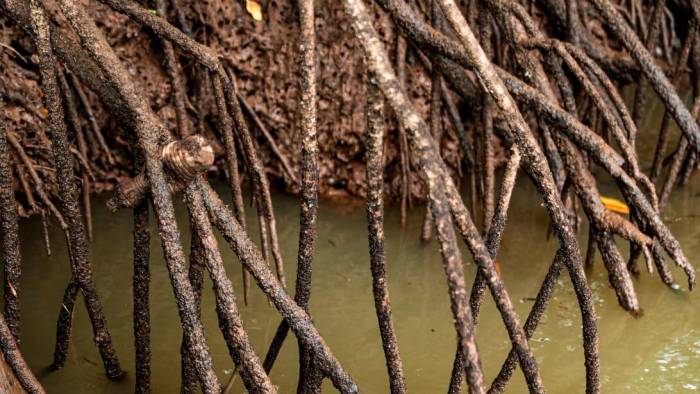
658 353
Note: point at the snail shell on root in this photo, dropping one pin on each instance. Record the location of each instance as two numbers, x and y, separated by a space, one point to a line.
188 157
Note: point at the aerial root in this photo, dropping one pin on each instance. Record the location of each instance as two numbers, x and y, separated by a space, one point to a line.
552 104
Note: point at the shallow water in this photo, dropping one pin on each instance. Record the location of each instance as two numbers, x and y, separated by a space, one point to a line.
659 352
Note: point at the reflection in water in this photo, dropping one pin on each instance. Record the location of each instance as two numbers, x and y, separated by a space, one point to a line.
659 352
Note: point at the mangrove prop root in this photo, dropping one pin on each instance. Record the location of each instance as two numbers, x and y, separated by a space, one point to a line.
492 241
650 42
173 70
662 142
455 118
268 137
679 155
309 191
436 131
190 381
72 113
82 271
10 236
487 135
64 325
656 77
603 223
226 124
535 164
252 373
579 117
309 182
403 142
24 183
234 178
91 119
264 241
375 225
498 224
141 286
149 130
257 173
380 68
533 319
13 357
275 346
299 321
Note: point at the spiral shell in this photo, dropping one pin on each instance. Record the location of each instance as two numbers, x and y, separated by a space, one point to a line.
188 157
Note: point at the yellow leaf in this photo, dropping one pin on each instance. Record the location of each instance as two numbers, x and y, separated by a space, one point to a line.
615 205
254 9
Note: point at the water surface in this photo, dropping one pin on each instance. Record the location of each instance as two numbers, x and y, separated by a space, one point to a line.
659 352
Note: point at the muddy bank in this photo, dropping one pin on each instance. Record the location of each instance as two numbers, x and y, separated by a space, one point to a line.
263 56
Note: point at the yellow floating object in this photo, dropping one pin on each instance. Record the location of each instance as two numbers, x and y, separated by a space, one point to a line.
615 205
254 9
